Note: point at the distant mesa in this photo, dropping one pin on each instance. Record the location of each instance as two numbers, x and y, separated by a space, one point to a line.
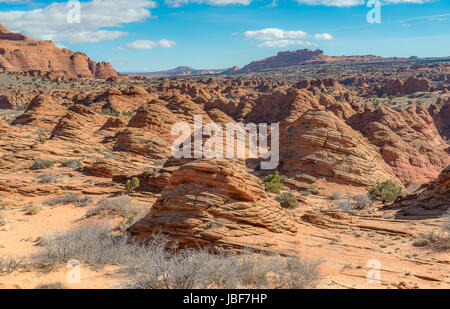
303 57
181 71
21 54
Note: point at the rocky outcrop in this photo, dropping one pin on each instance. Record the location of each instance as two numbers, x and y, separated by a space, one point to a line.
43 111
142 143
402 87
407 140
441 116
430 200
300 57
78 124
216 203
154 117
318 146
21 54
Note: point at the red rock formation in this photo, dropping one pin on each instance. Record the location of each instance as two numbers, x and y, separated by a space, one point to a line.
407 140
299 57
43 111
441 116
78 124
430 200
154 117
320 146
19 53
216 203
400 87
142 143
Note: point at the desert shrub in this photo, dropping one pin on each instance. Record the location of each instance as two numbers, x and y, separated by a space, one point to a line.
296 273
9 264
132 184
91 243
345 203
122 205
157 265
73 164
33 209
70 198
272 183
336 195
356 202
437 241
2 220
47 178
287 200
385 192
110 112
42 138
51 286
128 221
361 201
446 223
189 269
40 164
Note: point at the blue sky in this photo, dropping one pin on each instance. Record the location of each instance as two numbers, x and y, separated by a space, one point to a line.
145 35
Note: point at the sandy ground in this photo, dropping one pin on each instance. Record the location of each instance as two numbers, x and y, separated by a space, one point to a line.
352 248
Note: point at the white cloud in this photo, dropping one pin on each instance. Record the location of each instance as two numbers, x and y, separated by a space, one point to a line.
178 3
347 3
52 22
143 44
323 36
285 43
274 34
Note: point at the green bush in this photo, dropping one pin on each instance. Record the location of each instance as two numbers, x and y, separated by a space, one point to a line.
272 183
385 192
42 139
132 184
287 200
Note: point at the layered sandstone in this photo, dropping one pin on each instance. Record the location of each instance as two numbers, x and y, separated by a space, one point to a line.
407 140
431 199
21 54
216 203
320 146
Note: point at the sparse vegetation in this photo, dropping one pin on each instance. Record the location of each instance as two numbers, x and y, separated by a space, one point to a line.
446 223
40 164
33 209
356 202
287 200
122 205
2 220
110 112
336 195
9 264
73 164
272 183
437 241
47 178
42 138
132 184
70 198
361 201
51 286
154 266
385 192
